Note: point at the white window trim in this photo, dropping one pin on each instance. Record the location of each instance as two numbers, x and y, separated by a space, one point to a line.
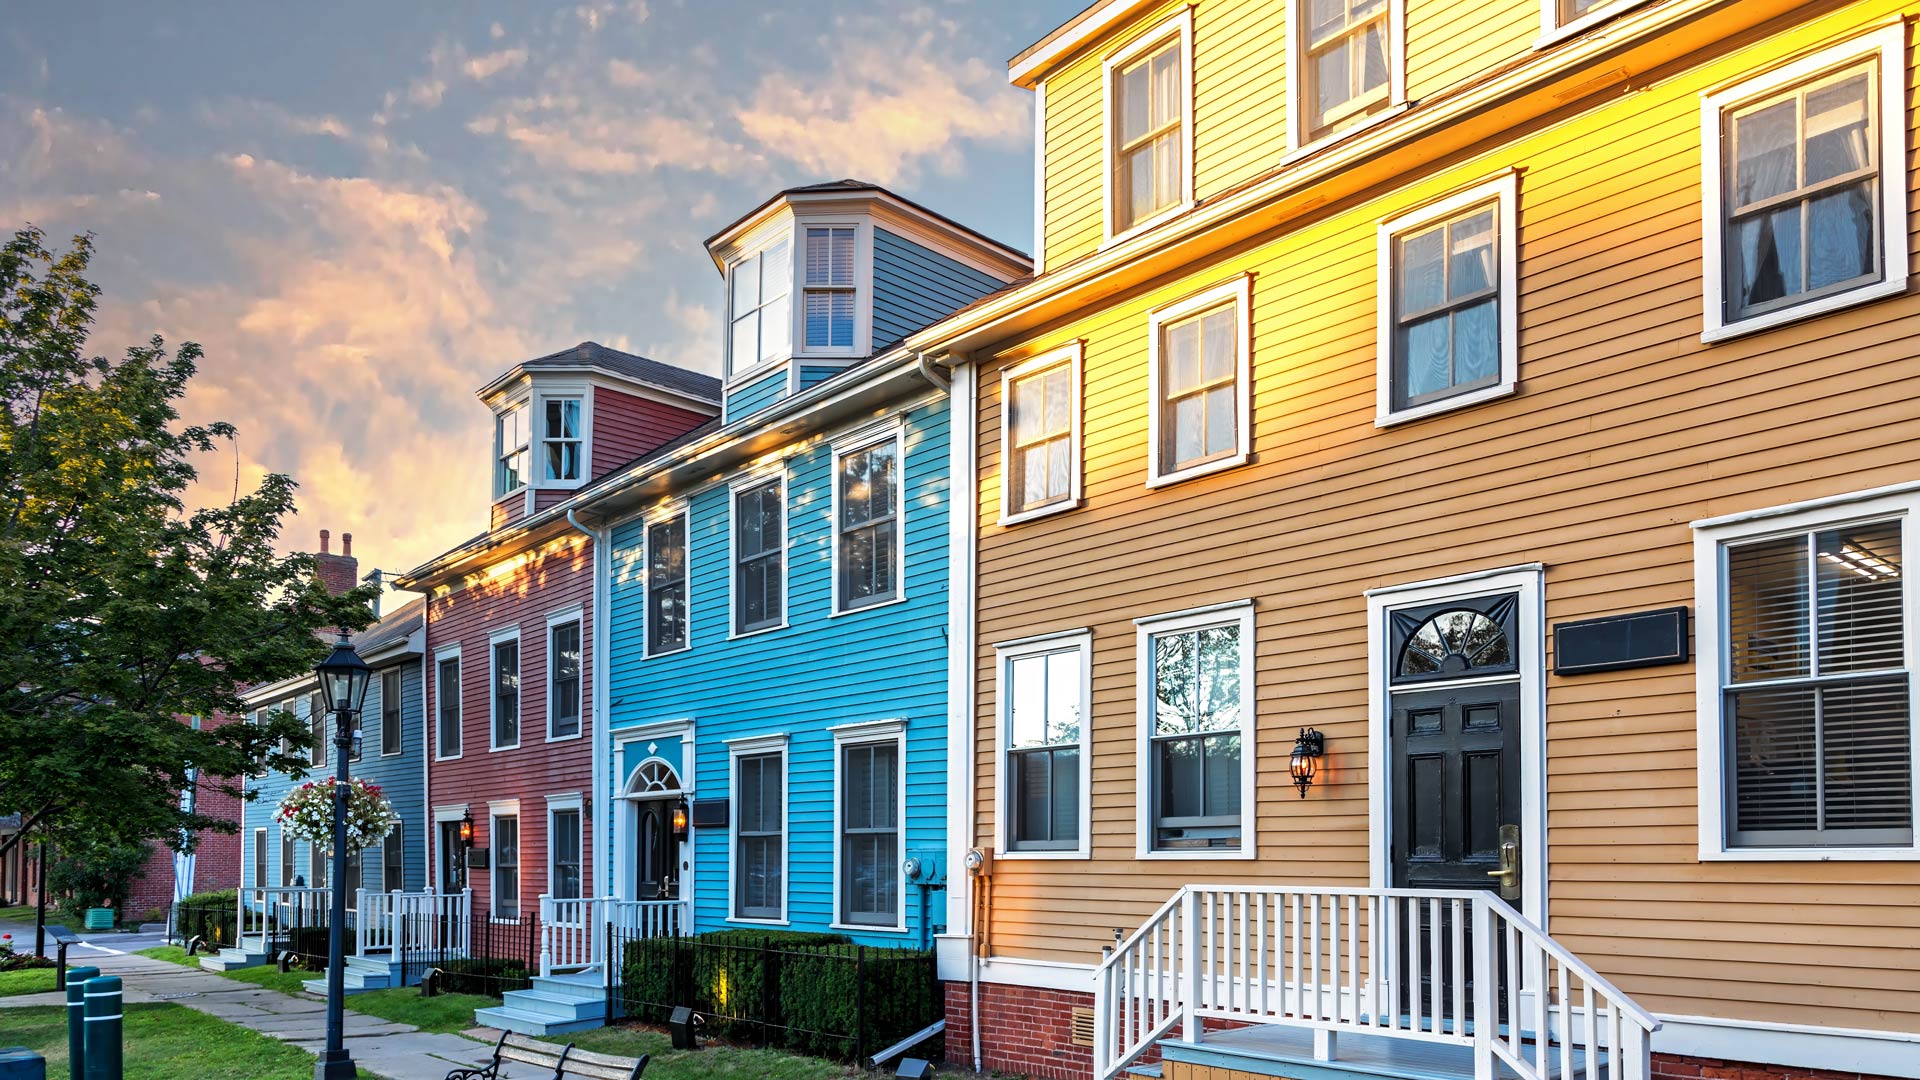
755 746
1888 45
1528 582
871 733
1240 611
438 856
537 439
759 367
1505 191
863 440
1710 538
401 678
862 288
1298 144
569 801
496 638
259 849
683 511
1553 31
1179 26
1240 292
495 811
1005 654
777 475
569 614
521 400
449 652
1073 355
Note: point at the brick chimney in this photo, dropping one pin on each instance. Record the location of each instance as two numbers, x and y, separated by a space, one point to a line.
339 573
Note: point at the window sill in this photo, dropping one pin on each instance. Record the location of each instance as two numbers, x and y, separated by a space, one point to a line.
1825 305
756 632
645 655
756 372
498 749
1341 134
1555 35
1043 856
449 757
1155 480
392 753
864 608
564 738
1905 854
867 928
1444 405
741 921
1222 855
1149 224
1039 512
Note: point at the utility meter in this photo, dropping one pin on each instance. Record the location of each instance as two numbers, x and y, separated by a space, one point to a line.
911 868
979 861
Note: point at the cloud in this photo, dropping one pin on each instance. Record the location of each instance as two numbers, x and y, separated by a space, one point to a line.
588 136
487 65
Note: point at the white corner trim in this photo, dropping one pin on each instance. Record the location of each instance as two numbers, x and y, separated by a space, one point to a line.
1040 178
1887 45
1504 191
1238 292
962 524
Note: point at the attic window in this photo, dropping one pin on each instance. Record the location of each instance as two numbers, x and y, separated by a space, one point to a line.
829 293
758 287
510 451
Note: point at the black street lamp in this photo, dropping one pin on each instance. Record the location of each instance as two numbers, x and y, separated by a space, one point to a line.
343 685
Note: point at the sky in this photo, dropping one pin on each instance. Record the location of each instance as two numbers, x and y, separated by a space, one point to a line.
363 210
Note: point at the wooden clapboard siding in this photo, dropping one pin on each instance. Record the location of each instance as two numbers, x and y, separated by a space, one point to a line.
1625 427
628 425
915 286
1449 42
744 400
1239 93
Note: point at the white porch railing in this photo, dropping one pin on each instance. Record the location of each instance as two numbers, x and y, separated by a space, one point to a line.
637 919
573 933
269 909
1397 963
397 922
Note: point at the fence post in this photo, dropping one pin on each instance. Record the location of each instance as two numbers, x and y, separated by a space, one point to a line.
859 1003
769 989
103 1028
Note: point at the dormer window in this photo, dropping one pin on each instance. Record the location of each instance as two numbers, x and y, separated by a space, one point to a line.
760 285
1149 139
510 450
829 290
560 439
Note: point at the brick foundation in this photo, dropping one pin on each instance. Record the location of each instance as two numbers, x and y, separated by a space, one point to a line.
1672 1067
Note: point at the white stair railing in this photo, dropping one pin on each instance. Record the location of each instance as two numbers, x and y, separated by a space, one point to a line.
572 932
637 919
1419 965
267 910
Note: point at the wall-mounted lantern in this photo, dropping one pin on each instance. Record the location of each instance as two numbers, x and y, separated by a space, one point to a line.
680 819
1308 749
466 828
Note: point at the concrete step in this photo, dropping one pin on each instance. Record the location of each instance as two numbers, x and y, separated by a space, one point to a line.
527 1024
1152 1070
535 1003
356 982
584 985
232 960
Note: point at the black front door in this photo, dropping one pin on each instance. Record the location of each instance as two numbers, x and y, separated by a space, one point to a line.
654 853
452 879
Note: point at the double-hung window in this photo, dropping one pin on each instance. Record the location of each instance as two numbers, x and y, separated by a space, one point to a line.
1198 373
393 859
1806 186
391 731
316 731
1345 49
510 450
564 835
563 679
1150 126
446 696
506 866
1196 731
561 439
869 827
829 292
1806 674
1040 434
667 585
759 556
506 693
287 857
1448 319
317 865
762 325
1043 694
866 496
759 838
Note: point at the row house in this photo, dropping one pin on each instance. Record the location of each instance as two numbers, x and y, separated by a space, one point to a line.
1446 447
774 609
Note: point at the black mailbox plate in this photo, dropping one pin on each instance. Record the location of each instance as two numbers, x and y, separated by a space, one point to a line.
1615 642
709 813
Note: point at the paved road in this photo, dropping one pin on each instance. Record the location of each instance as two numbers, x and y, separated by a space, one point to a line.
380 1047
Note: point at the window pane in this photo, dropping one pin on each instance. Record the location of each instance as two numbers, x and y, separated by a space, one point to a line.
1868 756
1222 793
746 340
1180 778
1860 621
1428 363
1837 129
1183 357
1840 241
448 697
1476 343
563 418
830 256
1220 421
776 270
1166 87
1470 261
564 709
506 693
1063 696
870 841
1422 273
1197 680
1333 80
566 855
776 329
1767 609
1135 102
1027 700
1764 164
1768 249
1217 350
506 867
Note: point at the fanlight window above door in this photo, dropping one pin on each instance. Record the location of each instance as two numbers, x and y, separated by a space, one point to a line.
654 778
1473 637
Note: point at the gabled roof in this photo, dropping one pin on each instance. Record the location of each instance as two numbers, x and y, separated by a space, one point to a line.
395 626
593 356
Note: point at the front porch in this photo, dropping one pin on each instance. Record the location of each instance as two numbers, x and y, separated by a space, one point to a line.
1335 984
581 942
392 938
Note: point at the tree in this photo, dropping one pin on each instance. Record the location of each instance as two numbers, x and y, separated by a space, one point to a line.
123 615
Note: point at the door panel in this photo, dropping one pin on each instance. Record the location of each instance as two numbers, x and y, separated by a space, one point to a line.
1456 760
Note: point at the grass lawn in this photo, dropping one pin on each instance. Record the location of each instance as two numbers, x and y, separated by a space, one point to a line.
449 1014
172 954
22 913
713 1062
270 976
167 1042
26 981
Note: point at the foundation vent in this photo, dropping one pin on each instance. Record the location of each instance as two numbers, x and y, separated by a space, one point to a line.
1082 1027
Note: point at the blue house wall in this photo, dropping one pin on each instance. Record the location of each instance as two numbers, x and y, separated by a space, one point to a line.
819 671
915 286
401 777
749 398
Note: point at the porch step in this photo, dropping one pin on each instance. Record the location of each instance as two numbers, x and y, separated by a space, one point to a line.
1288 1052
555 1004
509 1019
357 982
232 960
1145 1070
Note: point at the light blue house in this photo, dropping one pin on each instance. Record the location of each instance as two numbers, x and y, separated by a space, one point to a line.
391 754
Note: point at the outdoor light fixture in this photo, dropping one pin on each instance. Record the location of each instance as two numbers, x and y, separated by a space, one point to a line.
466 828
343 679
680 819
1308 749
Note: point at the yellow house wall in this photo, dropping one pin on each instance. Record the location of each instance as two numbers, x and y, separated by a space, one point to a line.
1624 429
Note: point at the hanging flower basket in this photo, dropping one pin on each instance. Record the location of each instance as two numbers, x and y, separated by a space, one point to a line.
307 813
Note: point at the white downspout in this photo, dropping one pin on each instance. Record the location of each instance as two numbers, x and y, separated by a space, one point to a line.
962 508
602 815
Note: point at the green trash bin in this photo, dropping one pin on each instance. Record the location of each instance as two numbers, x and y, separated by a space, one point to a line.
99 918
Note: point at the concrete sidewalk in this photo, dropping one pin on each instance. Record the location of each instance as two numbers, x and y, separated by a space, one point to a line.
380 1047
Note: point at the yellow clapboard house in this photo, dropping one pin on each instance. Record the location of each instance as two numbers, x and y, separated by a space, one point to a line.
1434 602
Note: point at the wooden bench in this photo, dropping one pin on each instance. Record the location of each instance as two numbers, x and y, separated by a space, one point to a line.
565 1061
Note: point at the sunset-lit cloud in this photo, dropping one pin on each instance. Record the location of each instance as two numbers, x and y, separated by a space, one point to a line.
407 207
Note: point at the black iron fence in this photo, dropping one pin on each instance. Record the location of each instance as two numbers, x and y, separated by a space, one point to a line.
813 993
491 958
214 921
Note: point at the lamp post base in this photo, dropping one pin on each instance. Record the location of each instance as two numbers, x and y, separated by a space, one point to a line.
334 1065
